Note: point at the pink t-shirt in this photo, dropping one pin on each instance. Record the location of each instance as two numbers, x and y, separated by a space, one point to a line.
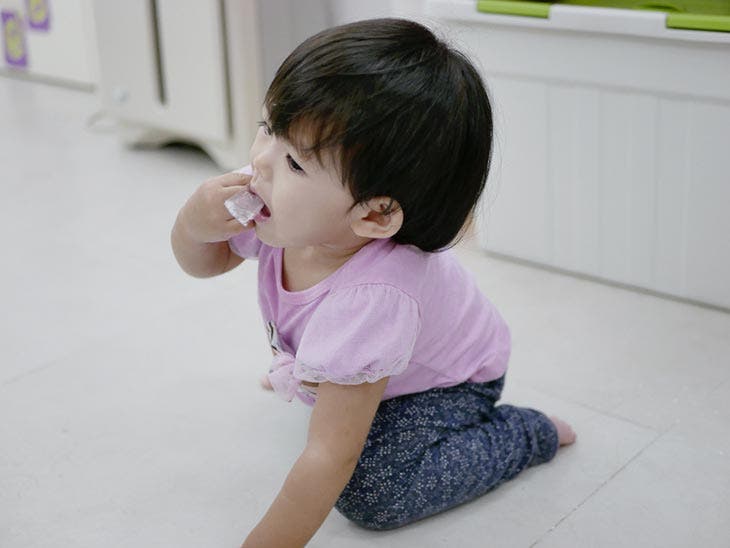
390 310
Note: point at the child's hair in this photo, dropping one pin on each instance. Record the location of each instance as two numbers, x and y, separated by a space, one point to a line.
408 116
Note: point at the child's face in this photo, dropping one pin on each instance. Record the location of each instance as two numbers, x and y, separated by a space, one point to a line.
307 202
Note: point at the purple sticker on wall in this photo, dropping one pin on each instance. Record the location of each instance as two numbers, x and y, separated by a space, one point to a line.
39 14
14 39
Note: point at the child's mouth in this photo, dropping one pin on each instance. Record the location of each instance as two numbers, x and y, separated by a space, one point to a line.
263 215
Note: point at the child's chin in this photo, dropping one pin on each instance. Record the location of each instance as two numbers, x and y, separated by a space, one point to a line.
266 238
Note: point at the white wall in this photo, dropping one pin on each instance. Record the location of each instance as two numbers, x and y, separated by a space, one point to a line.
345 11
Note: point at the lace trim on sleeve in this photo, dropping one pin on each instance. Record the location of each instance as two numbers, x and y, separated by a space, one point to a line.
369 374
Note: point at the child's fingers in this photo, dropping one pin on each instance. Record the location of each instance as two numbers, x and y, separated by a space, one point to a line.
233 179
234 227
232 190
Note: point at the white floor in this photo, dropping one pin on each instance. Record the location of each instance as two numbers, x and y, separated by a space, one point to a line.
131 413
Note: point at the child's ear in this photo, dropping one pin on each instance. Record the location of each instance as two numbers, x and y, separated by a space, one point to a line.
380 217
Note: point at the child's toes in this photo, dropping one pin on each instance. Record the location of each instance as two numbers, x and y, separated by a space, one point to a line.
266 383
566 434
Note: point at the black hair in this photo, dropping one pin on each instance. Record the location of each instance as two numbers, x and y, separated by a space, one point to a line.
408 115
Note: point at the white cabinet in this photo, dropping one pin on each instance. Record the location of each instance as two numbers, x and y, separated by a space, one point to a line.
612 154
196 70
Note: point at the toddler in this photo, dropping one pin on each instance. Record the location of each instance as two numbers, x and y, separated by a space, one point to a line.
373 151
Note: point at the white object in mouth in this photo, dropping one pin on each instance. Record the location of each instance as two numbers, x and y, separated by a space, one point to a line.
244 205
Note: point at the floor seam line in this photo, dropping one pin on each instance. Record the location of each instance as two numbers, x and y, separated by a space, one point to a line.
601 486
594 409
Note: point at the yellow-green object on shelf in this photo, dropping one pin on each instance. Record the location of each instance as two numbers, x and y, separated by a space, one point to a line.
711 15
509 7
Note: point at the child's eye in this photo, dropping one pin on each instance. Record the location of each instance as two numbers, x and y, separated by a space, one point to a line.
295 167
267 128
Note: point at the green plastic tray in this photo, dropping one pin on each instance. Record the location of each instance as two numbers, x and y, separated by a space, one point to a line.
712 15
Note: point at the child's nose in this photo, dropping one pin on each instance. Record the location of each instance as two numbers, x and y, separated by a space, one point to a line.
261 162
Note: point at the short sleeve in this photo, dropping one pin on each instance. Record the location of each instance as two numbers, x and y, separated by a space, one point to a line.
358 334
245 244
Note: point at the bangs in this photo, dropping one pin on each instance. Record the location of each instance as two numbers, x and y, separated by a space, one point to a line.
314 102
312 128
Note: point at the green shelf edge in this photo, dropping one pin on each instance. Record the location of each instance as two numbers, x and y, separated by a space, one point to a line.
684 21
691 21
505 7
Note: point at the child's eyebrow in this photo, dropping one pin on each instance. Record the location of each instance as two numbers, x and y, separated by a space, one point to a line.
304 152
308 137
309 160
300 150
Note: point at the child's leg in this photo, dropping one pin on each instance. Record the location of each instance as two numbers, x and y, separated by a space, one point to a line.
431 451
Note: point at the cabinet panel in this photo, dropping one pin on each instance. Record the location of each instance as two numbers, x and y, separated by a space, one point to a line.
193 67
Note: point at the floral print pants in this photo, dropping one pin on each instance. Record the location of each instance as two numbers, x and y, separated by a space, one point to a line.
431 451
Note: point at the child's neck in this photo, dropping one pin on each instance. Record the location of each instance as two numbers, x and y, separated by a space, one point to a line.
305 267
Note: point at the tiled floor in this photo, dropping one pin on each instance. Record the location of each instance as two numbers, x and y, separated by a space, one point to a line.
131 413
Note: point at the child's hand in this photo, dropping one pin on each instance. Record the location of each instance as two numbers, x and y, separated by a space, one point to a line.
204 216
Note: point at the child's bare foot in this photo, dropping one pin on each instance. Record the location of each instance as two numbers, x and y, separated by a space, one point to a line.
566 435
265 383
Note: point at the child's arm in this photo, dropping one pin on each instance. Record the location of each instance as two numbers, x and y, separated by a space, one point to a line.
338 428
203 226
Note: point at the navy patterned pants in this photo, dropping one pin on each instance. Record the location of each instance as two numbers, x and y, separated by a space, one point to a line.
431 451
